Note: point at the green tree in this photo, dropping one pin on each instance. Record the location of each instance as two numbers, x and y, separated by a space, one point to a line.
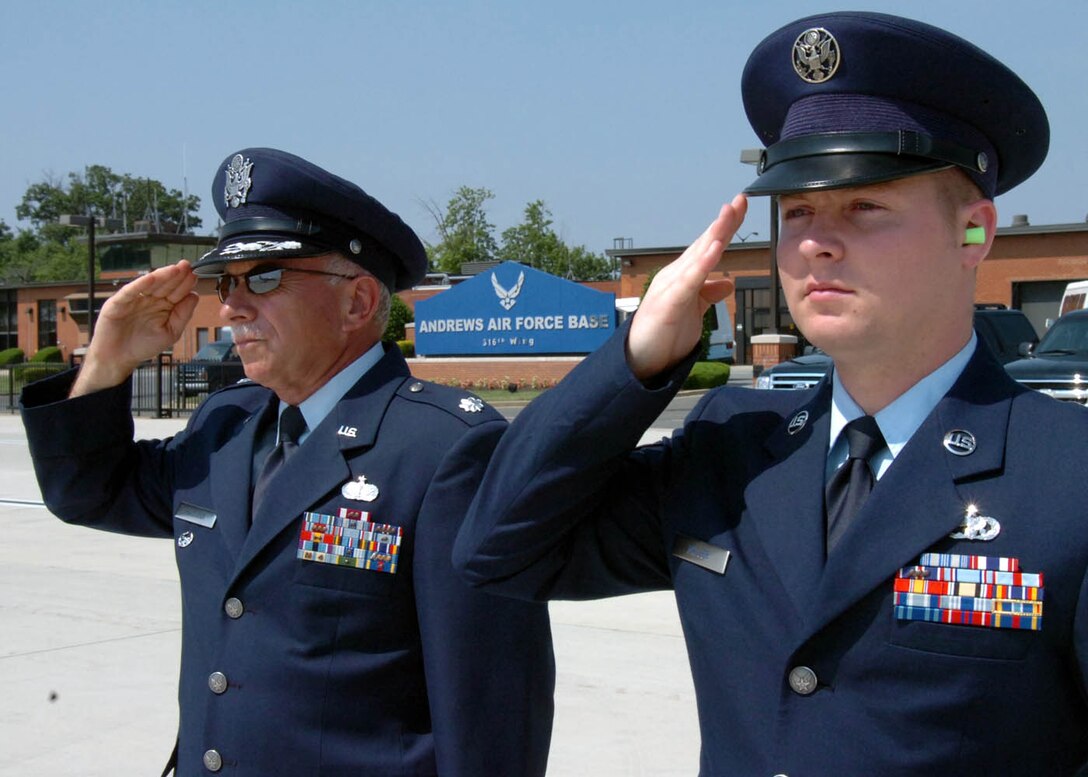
399 315
99 191
533 241
27 258
537 244
465 234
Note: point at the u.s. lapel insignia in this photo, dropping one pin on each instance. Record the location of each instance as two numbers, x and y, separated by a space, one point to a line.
797 423
960 442
360 490
472 404
976 527
185 539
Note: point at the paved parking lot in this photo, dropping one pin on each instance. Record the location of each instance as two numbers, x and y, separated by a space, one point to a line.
90 642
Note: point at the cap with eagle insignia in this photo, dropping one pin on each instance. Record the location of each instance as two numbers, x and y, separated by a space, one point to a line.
275 205
855 98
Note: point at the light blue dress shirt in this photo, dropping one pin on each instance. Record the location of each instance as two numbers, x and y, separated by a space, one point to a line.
900 419
319 404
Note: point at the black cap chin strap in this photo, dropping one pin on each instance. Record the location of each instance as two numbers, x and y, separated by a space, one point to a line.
901 143
267 224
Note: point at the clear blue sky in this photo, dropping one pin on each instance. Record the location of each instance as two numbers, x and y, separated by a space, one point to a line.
624 117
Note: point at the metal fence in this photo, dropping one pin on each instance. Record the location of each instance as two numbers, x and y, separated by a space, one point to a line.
156 390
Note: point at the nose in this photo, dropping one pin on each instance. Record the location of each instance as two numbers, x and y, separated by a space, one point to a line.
821 241
236 305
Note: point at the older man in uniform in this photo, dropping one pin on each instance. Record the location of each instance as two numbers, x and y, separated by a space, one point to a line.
313 506
885 575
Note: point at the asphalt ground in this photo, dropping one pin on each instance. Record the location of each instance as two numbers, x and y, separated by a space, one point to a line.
90 643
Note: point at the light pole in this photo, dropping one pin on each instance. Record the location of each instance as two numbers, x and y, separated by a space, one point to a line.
752 156
90 222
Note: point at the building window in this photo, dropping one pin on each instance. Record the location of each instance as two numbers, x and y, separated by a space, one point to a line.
9 321
47 323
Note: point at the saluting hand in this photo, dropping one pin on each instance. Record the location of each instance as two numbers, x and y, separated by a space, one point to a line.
142 319
669 321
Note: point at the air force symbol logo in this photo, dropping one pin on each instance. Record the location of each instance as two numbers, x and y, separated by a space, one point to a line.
507 297
238 181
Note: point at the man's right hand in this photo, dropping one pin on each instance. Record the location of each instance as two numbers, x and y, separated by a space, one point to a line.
144 318
669 320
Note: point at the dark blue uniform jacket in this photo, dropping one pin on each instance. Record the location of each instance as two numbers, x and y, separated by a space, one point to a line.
568 510
329 669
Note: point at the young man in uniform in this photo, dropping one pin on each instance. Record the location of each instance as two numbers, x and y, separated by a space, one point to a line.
313 507
870 577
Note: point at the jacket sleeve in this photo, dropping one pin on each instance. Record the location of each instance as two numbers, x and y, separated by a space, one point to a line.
488 660
90 470
568 508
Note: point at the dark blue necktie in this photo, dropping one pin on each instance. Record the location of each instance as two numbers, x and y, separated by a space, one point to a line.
292 427
849 487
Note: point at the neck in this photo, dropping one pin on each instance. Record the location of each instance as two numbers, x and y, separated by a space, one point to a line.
296 394
874 382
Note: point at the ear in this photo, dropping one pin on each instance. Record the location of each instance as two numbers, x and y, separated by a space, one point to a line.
983 214
361 304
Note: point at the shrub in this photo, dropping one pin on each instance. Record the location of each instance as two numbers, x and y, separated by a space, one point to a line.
706 375
399 315
12 356
49 354
407 348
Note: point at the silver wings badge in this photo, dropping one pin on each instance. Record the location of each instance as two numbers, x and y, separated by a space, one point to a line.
507 297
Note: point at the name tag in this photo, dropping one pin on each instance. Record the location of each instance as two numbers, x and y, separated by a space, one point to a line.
700 553
193 514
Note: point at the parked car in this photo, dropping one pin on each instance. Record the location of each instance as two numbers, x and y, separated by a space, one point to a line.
1008 333
214 366
1058 365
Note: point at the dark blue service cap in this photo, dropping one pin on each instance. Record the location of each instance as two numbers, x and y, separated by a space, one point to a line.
275 205
854 98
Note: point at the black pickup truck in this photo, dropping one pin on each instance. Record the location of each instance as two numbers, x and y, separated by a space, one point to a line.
214 366
1058 365
1003 330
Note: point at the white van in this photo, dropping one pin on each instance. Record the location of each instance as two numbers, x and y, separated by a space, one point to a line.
1074 298
721 326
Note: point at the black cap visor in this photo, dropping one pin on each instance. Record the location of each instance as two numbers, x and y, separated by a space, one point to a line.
837 171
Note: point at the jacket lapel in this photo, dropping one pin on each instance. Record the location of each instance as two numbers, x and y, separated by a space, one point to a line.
785 501
917 502
320 465
231 478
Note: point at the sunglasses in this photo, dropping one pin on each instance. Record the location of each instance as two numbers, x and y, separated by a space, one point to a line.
262 280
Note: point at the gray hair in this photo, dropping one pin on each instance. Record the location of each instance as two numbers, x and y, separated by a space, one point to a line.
344 266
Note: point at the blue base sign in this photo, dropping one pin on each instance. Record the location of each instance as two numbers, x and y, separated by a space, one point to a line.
514 309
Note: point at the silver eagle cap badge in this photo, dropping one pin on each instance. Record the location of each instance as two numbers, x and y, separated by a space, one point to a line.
816 55
238 181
